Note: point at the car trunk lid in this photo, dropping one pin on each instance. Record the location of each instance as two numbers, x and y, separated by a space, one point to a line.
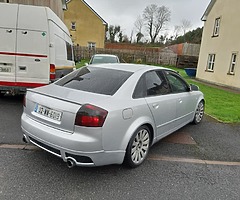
57 106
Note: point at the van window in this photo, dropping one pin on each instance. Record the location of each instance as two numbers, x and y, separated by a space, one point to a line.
69 51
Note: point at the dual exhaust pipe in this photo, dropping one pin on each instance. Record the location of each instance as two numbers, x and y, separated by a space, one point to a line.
25 139
70 162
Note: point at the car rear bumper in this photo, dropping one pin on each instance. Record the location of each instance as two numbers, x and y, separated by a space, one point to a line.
68 146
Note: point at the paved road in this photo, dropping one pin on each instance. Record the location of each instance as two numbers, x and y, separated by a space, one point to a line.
196 162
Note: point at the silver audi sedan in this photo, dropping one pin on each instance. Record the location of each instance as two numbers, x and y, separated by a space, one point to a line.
109 114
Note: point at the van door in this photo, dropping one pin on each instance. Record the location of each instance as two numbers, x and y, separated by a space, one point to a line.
8 20
32 61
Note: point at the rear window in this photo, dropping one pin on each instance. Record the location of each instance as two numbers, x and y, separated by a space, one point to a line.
95 80
104 59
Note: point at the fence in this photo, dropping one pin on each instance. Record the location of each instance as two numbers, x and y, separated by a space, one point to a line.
164 57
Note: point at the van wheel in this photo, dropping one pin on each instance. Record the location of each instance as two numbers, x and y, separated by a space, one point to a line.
138 147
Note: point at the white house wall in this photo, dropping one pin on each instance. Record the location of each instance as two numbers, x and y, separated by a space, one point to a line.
223 46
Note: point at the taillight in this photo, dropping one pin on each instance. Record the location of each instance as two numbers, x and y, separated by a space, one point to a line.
52 72
90 116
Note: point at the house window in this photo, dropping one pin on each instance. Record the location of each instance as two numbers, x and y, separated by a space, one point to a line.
216 27
73 26
211 61
233 63
91 45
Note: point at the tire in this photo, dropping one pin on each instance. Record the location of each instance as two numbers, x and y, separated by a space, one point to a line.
199 113
138 147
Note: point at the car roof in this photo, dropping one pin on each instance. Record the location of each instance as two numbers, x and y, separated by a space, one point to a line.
107 55
129 67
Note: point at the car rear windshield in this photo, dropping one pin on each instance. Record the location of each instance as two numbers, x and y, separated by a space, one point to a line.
104 59
95 79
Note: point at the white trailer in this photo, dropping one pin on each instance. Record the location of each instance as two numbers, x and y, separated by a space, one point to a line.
35 47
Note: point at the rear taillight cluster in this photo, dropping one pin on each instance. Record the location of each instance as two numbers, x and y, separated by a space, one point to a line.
52 72
90 116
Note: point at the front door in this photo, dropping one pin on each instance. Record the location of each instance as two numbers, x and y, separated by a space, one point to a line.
185 100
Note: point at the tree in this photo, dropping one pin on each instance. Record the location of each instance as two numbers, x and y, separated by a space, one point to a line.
113 30
125 39
139 25
176 32
139 36
131 37
120 37
185 25
155 18
193 36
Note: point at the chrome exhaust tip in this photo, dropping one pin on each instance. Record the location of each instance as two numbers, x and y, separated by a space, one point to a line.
71 163
25 139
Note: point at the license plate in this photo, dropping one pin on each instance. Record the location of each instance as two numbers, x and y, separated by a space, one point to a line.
47 112
5 69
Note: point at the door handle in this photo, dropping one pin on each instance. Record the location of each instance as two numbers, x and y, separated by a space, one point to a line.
22 68
9 31
155 105
180 100
24 32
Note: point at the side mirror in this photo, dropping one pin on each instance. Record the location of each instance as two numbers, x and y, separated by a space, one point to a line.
194 87
86 64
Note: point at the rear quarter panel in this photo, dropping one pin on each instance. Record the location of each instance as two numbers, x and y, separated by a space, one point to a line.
117 131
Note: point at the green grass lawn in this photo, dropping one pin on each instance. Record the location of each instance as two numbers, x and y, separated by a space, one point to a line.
220 104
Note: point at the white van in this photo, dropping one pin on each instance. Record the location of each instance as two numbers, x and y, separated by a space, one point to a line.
35 47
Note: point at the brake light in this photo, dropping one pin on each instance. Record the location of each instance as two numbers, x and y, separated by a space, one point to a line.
52 72
90 116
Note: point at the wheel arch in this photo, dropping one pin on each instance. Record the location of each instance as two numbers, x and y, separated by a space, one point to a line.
134 126
151 132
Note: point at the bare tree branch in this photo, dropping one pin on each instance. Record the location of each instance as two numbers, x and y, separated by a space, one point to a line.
155 18
139 24
186 25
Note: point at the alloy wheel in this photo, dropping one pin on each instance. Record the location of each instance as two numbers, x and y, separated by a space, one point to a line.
140 146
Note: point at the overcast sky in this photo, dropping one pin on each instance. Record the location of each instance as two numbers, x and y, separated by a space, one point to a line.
125 12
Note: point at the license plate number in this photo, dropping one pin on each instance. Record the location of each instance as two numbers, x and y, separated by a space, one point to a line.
5 69
47 112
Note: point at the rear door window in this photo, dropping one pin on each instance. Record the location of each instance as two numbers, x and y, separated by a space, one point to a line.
95 80
152 83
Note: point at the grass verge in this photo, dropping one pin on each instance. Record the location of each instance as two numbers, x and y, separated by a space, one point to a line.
81 63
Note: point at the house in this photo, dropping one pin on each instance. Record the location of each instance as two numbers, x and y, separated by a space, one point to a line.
56 6
87 28
219 60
